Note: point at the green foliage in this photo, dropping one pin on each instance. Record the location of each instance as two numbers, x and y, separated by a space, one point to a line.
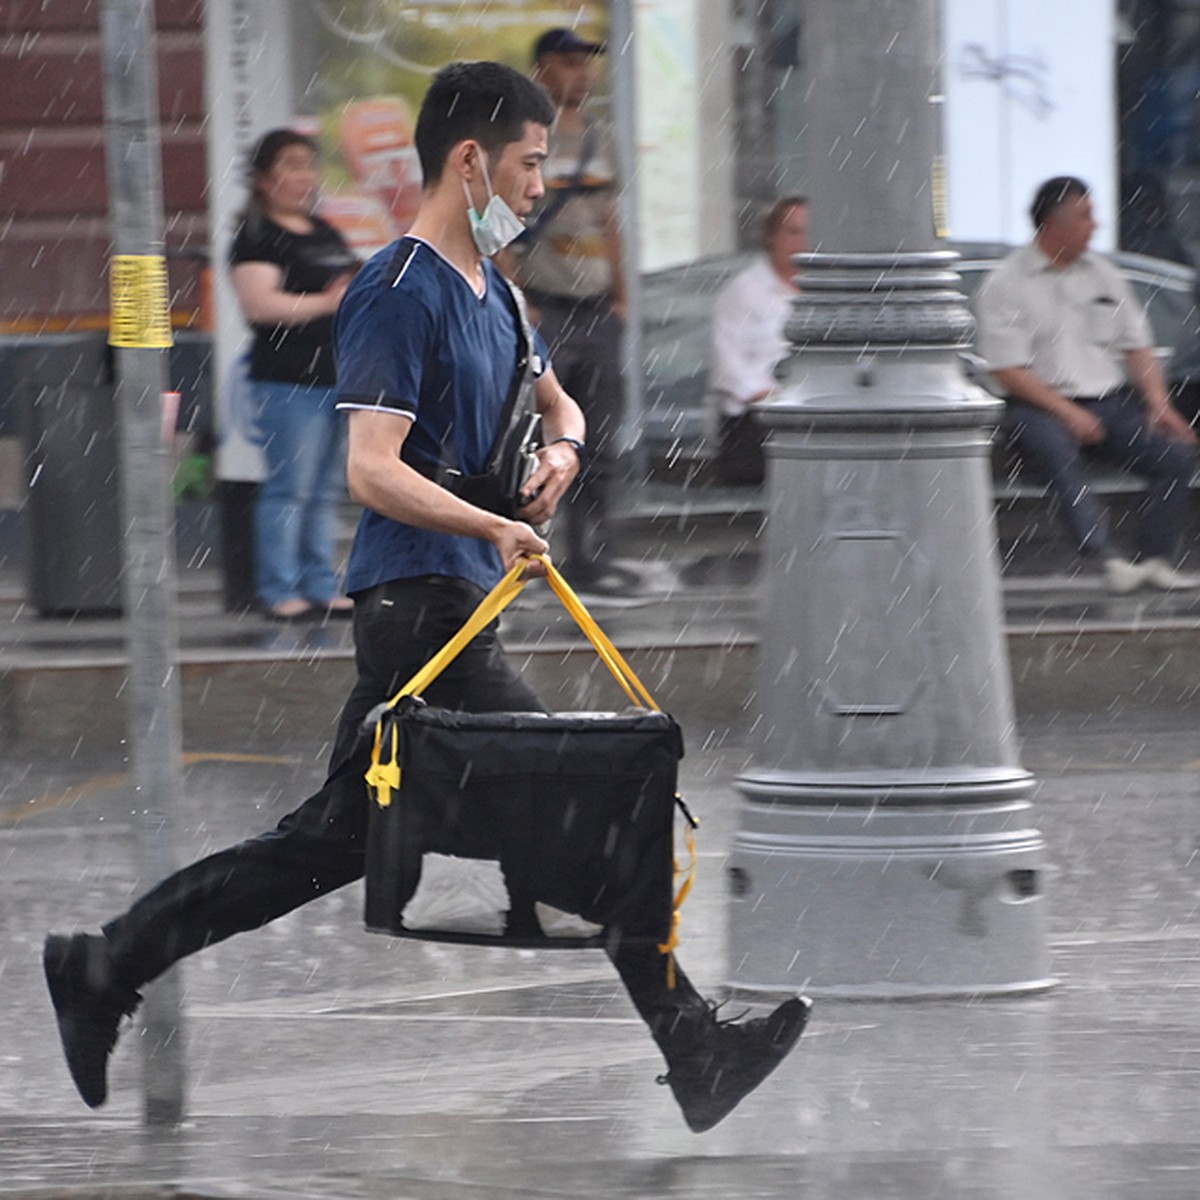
193 477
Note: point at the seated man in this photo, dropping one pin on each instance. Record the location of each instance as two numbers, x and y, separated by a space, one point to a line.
748 342
1065 338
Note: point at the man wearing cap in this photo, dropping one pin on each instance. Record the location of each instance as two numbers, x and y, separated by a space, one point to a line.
569 265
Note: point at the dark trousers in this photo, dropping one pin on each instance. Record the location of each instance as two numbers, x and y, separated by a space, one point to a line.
584 337
1059 460
1185 395
741 450
321 846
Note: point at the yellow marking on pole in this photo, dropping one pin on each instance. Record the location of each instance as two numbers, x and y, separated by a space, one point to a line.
940 191
139 302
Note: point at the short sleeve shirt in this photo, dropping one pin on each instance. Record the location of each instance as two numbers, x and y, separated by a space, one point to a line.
1070 326
309 262
413 338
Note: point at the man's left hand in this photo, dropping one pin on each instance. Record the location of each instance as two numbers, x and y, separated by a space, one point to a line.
558 464
1171 423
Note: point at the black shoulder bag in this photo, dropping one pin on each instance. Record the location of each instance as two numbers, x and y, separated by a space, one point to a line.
512 458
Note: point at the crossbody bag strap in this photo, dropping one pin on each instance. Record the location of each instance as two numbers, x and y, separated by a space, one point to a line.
519 403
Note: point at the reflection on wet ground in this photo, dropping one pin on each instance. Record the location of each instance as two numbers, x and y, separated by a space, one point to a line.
324 1061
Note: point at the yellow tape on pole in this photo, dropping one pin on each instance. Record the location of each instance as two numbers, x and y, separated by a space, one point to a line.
140 311
940 191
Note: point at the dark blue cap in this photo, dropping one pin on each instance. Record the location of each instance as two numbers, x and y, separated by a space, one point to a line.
563 41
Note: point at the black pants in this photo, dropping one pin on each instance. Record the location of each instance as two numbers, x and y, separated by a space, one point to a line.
321 846
1185 394
741 452
584 337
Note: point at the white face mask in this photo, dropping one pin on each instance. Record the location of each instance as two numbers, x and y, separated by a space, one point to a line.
498 226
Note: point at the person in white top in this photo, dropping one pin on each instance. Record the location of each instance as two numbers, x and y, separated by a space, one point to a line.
748 342
1067 341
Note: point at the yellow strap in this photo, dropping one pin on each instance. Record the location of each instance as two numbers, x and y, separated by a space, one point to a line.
689 877
383 777
490 607
611 656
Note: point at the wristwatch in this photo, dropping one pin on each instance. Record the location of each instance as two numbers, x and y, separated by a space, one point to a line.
575 444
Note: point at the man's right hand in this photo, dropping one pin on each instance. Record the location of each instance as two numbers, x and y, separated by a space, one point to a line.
1022 384
1084 426
516 540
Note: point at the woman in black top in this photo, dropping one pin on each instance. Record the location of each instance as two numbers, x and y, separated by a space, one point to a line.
290 270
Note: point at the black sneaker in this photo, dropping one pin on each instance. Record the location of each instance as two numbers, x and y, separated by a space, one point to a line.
89 1002
716 1064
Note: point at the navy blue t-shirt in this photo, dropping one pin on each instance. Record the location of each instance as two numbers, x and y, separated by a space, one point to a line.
413 338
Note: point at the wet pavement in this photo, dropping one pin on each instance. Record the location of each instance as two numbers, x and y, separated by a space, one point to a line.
324 1061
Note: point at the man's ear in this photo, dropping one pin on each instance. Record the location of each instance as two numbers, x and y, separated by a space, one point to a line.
464 158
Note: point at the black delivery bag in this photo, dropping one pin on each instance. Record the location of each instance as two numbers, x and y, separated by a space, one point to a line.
562 822
518 828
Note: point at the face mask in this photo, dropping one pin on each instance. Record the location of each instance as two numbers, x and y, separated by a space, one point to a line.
498 226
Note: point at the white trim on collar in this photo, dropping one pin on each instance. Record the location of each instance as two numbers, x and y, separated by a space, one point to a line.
454 267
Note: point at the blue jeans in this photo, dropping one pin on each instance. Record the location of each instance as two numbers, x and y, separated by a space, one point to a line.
1058 459
296 517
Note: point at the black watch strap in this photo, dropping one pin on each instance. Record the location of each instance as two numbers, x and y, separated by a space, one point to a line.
574 443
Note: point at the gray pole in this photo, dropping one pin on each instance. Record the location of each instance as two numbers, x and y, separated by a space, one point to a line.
872 110
622 85
140 332
886 845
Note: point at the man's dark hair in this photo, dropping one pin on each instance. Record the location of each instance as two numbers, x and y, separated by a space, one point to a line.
484 101
778 211
1051 194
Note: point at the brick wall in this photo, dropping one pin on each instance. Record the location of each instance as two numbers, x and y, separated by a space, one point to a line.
53 204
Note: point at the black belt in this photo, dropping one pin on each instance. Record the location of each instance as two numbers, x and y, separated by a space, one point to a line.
1117 391
450 582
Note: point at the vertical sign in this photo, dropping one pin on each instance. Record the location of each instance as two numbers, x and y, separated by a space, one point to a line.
668 131
248 85
1030 93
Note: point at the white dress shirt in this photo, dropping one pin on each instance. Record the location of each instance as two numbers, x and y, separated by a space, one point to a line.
747 336
1070 326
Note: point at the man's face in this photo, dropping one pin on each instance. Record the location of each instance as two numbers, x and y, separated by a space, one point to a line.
1069 228
790 235
568 77
517 173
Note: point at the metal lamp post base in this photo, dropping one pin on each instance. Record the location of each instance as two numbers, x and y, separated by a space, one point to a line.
886 845
860 889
